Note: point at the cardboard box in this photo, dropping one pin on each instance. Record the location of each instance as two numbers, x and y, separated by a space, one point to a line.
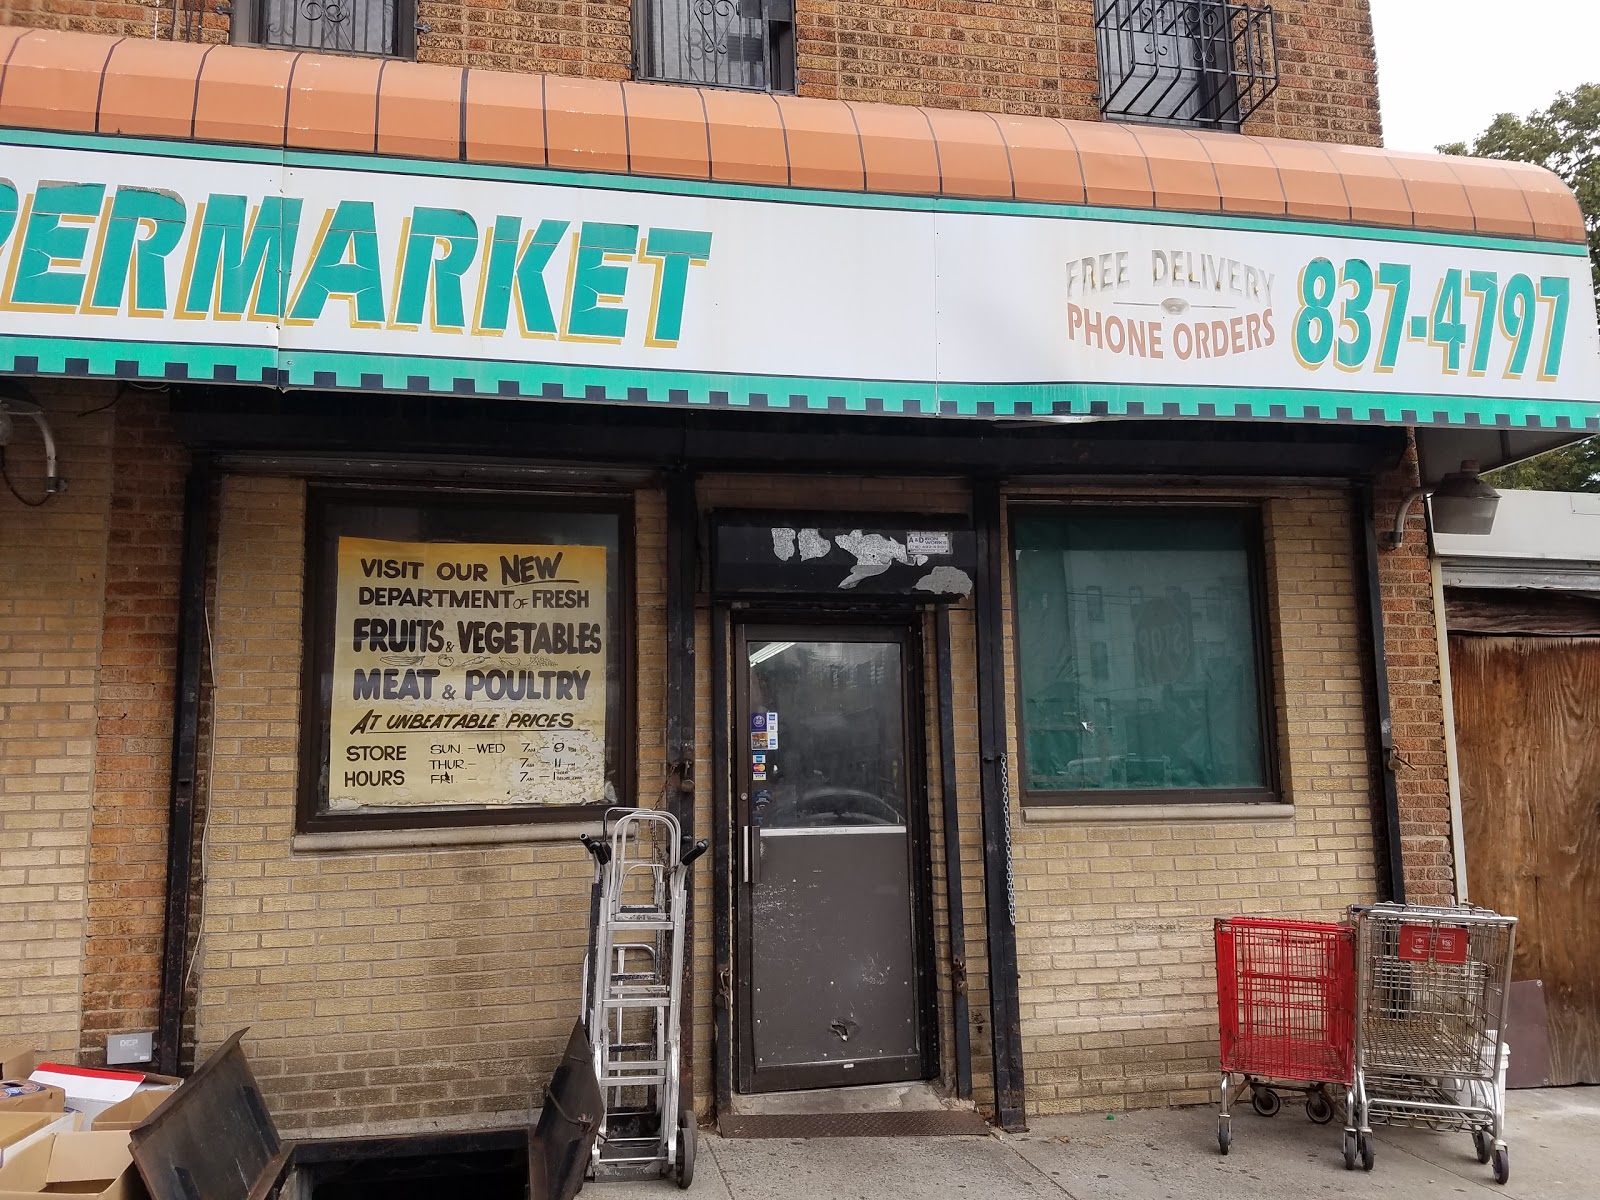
92 1166
15 1126
130 1113
90 1090
44 1125
18 1060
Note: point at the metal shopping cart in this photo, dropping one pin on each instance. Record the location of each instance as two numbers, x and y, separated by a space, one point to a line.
1286 1011
1433 985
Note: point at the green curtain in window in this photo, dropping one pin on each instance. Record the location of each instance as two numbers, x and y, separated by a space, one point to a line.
1137 651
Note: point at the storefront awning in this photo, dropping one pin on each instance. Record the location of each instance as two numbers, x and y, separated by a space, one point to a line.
216 213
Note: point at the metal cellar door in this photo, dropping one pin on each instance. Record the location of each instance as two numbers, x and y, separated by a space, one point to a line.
828 952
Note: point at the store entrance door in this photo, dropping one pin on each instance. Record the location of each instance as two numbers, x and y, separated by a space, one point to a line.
826 776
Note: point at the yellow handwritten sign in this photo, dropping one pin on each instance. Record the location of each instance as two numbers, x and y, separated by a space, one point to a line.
468 674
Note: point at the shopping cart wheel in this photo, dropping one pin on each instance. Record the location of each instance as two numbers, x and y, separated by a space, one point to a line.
1483 1144
1319 1108
1350 1150
1502 1164
1265 1101
688 1133
1224 1134
1367 1151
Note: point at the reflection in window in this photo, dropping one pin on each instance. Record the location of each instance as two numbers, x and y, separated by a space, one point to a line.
1165 692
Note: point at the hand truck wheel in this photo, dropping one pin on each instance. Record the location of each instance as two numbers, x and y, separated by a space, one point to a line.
688 1134
1224 1135
1368 1151
1483 1144
1502 1164
1265 1101
1319 1108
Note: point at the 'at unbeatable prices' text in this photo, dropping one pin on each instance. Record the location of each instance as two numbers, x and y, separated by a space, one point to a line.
375 722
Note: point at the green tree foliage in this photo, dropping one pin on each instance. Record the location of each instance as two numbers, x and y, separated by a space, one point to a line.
1565 138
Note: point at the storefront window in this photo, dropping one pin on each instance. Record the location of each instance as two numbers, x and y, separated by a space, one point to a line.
467 660
1139 655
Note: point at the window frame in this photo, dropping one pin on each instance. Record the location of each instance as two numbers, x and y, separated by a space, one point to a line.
318 604
781 61
1211 99
245 28
1267 708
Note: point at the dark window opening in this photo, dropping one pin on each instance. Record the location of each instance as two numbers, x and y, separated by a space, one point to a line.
745 44
376 27
1185 62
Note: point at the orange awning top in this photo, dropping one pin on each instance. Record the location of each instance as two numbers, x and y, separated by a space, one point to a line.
85 83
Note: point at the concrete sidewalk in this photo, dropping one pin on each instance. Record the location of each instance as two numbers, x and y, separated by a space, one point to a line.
1168 1154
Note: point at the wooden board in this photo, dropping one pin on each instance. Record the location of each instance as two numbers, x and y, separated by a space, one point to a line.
1528 732
1522 611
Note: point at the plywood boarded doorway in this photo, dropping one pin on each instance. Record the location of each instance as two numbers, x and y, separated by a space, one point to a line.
1528 728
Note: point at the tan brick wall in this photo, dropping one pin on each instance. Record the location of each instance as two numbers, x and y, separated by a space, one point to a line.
1030 57
52 567
133 745
1114 919
405 990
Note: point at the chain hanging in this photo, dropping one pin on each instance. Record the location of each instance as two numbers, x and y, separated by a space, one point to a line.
1005 807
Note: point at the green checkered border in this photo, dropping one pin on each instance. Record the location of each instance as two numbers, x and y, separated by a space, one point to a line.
418 375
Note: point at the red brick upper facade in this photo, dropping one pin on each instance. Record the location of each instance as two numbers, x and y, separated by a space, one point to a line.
1028 57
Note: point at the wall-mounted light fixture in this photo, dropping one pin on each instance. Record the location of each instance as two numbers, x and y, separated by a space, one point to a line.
13 403
1462 503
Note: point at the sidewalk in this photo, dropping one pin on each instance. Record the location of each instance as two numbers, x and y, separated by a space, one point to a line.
1165 1154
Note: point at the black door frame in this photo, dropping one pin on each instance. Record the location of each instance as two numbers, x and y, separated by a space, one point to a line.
905 624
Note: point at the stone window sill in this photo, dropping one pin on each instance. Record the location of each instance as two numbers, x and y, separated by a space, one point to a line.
445 837
1070 814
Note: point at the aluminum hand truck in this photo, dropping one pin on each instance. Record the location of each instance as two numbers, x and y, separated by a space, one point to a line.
1433 987
633 993
1286 1014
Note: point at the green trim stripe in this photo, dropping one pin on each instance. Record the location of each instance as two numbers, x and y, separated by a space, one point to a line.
779 195
420 375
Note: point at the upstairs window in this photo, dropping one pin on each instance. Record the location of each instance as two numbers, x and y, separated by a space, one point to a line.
377 27
745 44
1208 63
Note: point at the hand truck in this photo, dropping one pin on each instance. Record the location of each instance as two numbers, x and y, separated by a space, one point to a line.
1285 1012
1433 988
633 994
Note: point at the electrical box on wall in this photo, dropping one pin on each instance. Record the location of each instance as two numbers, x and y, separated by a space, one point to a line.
129 1048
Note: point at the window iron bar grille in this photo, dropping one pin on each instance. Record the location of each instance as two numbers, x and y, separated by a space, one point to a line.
719 43
1186 62
342 26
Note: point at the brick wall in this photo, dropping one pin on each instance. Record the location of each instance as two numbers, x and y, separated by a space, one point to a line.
1114 918
417 988
1034 57
52 563
1415 697
133 734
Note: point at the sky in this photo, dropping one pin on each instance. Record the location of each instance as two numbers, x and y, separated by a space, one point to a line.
1447 67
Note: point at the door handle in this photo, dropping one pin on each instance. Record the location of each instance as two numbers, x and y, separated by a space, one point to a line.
752 854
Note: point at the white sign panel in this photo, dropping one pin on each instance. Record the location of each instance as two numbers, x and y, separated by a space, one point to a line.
349 274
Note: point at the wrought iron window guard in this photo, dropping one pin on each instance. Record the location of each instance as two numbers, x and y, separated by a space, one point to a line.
370 27
1185 62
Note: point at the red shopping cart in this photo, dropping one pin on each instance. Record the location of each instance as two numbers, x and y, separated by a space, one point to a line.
1286 1009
